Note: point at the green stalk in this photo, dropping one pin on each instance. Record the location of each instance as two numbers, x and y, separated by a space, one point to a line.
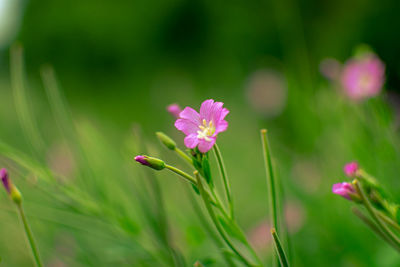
200 215
383 227
373 227
215 220
279 249
183 155
270 179
181 173
224 175
29 235
388 220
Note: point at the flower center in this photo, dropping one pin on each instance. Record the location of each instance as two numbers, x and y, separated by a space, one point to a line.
206 130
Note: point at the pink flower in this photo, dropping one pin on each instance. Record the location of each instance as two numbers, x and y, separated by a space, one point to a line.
344 189
350 169
174 110
5 180
201 129
363 77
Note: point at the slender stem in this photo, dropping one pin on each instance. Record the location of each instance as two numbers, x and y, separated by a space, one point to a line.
216 223
29 235
183 155
219 204
191 180
279 249
225 179
383 227
270 179
181 173
199 213
373 227
388 220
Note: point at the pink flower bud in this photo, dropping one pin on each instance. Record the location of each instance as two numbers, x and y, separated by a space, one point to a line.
350 169
344 189
174 110
5 180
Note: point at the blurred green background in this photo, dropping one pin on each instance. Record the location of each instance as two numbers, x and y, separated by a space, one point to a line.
118 65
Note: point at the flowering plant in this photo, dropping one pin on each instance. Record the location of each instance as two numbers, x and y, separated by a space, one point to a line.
365 190
201 130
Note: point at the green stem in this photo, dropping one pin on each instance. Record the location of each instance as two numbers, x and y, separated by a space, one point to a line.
29 235
383 227
183 155
373 227
270 179
208 228
388 220
279 249
193 181
216 223
225 179
181 173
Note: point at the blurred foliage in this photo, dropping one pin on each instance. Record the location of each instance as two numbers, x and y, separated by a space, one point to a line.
120 63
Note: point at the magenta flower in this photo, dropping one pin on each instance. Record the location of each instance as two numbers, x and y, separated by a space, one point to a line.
350 169
363 77
154 163
142 160
201 129
174 110
344 189
5 180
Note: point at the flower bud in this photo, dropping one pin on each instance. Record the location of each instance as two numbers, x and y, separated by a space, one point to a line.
174 110
5 180
346 190
351 169
166 140
154 163
15 195
12 191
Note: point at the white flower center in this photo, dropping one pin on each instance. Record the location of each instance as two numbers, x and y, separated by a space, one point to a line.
206 130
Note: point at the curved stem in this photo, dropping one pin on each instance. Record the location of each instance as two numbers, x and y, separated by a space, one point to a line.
224 178
29 235
183 155
383 227
181 173
388 220
374 228
216 223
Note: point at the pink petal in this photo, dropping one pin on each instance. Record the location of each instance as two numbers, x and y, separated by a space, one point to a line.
204 145
190 114
224 112
186 126
216 110
191 141
206 109
221 127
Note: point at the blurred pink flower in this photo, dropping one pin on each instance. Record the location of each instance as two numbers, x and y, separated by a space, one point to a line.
350 169
201 129
344 189
267 92
61 161
363 77
330 68
260 236
294 215
174 110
